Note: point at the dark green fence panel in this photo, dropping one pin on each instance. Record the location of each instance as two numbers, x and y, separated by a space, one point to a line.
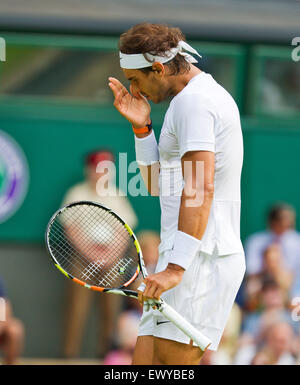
270 172
55 151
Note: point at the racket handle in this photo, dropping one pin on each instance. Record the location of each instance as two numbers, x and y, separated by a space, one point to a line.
201 340
142 287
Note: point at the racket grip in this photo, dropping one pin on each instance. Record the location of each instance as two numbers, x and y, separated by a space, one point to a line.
142 287
200 339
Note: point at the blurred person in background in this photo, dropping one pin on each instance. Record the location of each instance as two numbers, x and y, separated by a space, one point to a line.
256 325
281 231
277 349
11 330
273 269
127 331
97 165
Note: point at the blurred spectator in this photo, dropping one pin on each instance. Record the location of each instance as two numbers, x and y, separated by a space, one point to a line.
273 269
277 349
295 289
98 186
281 232
127 332
273 307
256 325
11 330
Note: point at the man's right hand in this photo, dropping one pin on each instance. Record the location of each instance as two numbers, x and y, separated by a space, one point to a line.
134 107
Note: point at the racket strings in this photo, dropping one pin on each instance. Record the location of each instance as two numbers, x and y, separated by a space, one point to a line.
91 223
93 245
62 248
83 265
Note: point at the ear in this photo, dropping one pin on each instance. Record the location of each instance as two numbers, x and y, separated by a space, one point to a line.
158 68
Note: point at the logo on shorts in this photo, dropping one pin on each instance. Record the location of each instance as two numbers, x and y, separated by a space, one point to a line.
13 176
161 322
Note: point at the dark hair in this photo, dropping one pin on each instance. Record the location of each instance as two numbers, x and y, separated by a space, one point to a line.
155 39
276 210
269 283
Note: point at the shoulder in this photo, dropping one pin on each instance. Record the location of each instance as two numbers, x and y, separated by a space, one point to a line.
190 106
77 187
292 237
190 98
258 238
294 234
75 192
198 97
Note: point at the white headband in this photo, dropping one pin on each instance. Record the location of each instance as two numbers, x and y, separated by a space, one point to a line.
137 61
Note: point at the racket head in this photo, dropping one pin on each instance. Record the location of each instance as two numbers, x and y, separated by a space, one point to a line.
92 245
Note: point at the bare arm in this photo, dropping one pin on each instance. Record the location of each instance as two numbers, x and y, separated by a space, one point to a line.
197 196
150 175
136 109
196 200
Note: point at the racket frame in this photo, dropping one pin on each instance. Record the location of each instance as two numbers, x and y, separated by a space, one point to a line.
118 290
202 341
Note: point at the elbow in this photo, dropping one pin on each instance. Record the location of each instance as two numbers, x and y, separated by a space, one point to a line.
209 191
153 192
198 197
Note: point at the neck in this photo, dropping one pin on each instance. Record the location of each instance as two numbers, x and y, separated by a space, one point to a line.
181 81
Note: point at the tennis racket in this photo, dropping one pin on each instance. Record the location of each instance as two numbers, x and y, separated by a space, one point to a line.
94 247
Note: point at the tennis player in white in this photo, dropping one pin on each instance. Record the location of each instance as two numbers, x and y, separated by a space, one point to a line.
196 167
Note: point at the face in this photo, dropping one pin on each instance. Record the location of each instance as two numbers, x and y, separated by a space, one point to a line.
93 176
272 257
154 85
285 222
273 298
279 338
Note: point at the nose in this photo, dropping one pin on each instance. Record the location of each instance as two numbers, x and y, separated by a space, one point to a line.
134 89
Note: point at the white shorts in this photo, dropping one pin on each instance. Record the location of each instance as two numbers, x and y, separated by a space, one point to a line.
204 297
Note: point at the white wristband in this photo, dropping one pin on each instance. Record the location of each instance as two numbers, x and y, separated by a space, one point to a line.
184 249
146 149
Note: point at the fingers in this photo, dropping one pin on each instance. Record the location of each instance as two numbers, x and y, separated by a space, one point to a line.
117 88
117 84
152 290
140 297
135 93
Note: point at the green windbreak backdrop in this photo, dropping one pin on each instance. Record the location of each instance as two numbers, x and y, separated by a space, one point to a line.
55 143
